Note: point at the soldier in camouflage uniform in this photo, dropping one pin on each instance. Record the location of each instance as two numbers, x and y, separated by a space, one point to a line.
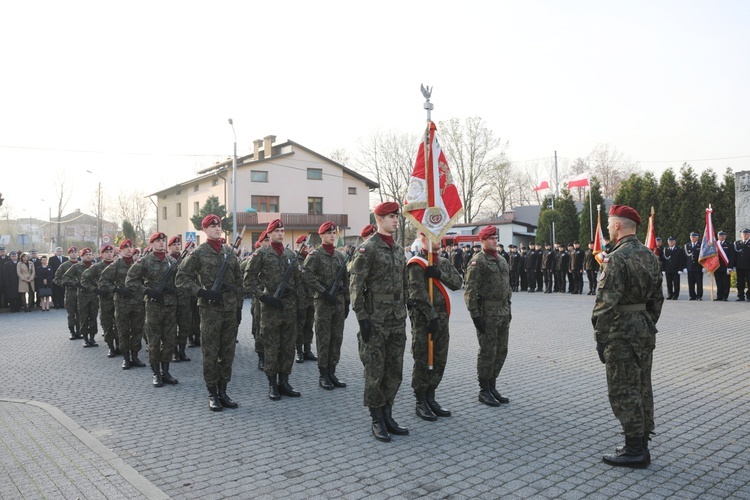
70 298
184 313
161 319
278 315
324 269
429 317
305 310
90 280
378 295
220 310
263 241
629 299
86 299
129 308
487 296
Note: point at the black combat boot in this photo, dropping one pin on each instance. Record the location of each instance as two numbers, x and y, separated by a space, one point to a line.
92 342
224 399
165 376
435 406
273 388
646 439
309 355
391 424
117 346
485 395
198 339
191 342
134 361
157 375
495 394
175 355
73 334
333 378
323 380
214 404
378 425
631 455
126 361
86 341
300 355
286 389
111 351
423 409
182 354
261 361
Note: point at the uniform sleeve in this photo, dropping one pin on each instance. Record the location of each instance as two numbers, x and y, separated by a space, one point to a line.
187 274
345 281
608 295
657 296
473 282
357 282
310 272
251 280
107 279
418 292
134 279
70 278
89 278
239 286
449 275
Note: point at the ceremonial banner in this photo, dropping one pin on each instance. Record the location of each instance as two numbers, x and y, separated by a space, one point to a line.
598 237
709 256
651 233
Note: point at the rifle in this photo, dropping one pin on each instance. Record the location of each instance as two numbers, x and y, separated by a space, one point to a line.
288 273
161 286
337 281
219 285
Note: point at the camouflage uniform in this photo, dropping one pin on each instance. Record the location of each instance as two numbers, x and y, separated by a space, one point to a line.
90 280
161 319
86 299
184 321
306 318
71 298
219 321
255 312
378 293
629 299
487 295
129 311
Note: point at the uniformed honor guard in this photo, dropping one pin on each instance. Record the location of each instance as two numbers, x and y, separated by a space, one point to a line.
144 277
88 305
263 241
487 296
693 267
70 297
591 266
430 315
742 264
548 267
305 309
90 280
184 313
629 300
673 261
273 276
325 273
378 294
220 308
723 272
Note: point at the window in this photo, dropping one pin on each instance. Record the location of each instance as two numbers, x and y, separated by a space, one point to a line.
314 205
164 213
196 208
265 203
258 176
179 192
352 190
195 188
315 174
179 210
214 182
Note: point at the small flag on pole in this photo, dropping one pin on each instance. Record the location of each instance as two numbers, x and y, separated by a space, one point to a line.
543 184
580 180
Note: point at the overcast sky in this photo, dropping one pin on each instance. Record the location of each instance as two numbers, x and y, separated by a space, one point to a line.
140 92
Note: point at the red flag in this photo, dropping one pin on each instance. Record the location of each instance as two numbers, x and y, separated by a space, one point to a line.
598 237
709 256
543 184
651 233
432 203
581 180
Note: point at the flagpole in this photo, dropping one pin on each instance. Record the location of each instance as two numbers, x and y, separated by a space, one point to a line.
591 212
427 93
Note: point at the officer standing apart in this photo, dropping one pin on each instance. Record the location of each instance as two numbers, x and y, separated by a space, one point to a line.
220 311
725 269
487 296
430 317
742 264
378 294
325 275
673 261
629 299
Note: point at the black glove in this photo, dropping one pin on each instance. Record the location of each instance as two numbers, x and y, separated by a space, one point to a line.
331 299
409 304
79 286
239 315
152 294
479 323
124 292
600 350
365 329
271 301
432 272
210 295
433 325
346 309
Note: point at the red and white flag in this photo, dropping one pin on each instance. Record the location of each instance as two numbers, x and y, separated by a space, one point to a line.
432 203
580 180
711 252
651 232
543 184
598 238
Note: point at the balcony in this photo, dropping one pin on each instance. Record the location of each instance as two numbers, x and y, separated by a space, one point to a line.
259 220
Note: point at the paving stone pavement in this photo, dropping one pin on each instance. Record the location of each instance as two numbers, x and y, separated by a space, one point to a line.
547 443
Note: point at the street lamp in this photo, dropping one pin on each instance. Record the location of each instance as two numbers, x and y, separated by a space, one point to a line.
234 184
98 210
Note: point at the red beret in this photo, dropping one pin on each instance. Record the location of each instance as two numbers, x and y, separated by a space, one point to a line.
85 250
257 244
72 249
368 230
625 212
274 224
174 239
301 239
388 207
136 251
210 220
106 248
326 226
126 242
487 231
263 236
157 236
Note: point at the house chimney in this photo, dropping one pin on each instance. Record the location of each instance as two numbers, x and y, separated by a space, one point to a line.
256 149
509 215
268 145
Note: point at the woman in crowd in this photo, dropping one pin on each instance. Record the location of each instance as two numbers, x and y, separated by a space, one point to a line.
44 278
26 274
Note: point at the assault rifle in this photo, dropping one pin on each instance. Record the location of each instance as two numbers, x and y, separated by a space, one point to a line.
219 285
337 281
284 283
161 286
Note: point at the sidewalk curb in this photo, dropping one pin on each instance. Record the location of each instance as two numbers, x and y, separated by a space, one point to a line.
128 473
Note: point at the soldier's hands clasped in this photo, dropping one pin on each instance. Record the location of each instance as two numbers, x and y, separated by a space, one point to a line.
152 294
210 295
271 301
600 346
365 329
124 292
432 272
479 323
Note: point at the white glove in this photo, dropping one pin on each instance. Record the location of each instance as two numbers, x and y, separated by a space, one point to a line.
729 271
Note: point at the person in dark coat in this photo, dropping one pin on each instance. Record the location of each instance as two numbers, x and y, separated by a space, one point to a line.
3 259
58 292
10 283
44 279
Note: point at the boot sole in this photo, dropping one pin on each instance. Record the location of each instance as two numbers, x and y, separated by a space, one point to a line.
630 465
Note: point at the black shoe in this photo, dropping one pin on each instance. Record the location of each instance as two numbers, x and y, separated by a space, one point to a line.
300 358
485 396
175 355
197 341
134 361
273 388
86 342
423 409
323 380
740 299
181 354
73 335
92 342
224 399
631 455
261 361
285 389
165 376
378 425
126 362
391 424
191 342
435 406
644 443
692 298
156 380
496 394
111 351
309 355
79 335
214 404
334 379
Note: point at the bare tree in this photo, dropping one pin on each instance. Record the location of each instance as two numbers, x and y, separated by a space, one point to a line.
471 149
63 192
135 208
579 166
611 168
501 187
340 156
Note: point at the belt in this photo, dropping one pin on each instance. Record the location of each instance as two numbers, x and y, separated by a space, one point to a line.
630 308
386 297
493 303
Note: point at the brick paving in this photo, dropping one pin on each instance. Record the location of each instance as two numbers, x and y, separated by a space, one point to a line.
547 443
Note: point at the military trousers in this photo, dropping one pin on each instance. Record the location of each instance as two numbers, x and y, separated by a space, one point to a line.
539 280
695 284
107 319
195 321
71 306
184 321
218 336
279 332
722 284
305 320
493 346
548 280
591 276
673 285
129 316
629 383
743 282
161 330
329 331
255 311
88 309
383 359
422 378
531 279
